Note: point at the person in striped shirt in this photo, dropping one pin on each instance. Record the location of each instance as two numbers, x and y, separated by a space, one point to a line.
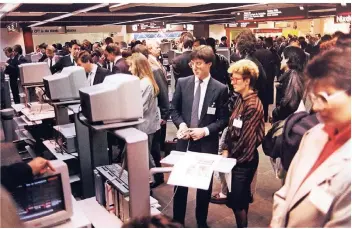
245 133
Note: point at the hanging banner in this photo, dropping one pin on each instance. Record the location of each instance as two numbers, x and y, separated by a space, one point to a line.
292 13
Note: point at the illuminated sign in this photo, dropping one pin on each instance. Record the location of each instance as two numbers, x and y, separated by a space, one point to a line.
291 13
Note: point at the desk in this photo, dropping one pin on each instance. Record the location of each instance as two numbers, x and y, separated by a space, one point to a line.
78 220
98 215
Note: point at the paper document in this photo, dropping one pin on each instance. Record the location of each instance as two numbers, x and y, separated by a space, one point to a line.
194 170
173 157
225 165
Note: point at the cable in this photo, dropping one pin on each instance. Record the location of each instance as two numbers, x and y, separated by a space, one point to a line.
170 200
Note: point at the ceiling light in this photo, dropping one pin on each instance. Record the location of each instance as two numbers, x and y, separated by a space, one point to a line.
343 4
301 8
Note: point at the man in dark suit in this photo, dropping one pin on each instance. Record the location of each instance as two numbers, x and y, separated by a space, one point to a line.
223 42
117 63
95 74
52 58
198 109
42 48
68 60
12 69
180 65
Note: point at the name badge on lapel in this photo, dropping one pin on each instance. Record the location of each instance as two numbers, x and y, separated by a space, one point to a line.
212 109
237 122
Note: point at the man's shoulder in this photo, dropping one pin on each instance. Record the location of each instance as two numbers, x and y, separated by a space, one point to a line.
218 84
102 70
184 80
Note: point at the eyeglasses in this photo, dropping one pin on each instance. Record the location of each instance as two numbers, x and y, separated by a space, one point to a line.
322 98
197 64
235 80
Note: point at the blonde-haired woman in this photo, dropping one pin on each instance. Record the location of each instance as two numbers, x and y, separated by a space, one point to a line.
139 66
245 133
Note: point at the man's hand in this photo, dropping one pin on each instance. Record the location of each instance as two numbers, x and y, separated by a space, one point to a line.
225 153
39 166
197 133
183 132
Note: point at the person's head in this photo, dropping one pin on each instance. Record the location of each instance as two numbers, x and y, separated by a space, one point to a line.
86 44
244 74
42 47
212 43
108 40
112 51
153 47
318 36
279 40
8 52
139 66
96 55
326 37
268 42
223 39
17 50
259 44
217 42
294 42
337 34
37 49
327 45
58 46
202 58
50 51
74 49
84 60
158 221
312 40
144 42
245 43
125 53
188 42
186 35
294 57
198 42
329 81
123 45
344 41
96 45
141 49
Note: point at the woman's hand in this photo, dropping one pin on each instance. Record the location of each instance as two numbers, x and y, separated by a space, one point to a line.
225 153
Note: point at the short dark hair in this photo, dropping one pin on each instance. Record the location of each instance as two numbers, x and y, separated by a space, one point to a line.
224 38
141 49
188 42
43 46
344 40
212 43
293 39
72 43
126 53
109 40
18 49
113 49
269 41
203 52
84 57
201 41
326 37
296 58
246 41
58 46
337 34
7 49
333 65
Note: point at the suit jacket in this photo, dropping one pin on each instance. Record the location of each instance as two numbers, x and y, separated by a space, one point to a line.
180 66
12 69
56 58
163 96
100 75
324 198
63 62
121 66
43 58
181 110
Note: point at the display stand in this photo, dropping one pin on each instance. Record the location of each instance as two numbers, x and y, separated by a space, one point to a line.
61 111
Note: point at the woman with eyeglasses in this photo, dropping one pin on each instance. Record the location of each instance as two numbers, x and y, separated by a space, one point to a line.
317 190
245 133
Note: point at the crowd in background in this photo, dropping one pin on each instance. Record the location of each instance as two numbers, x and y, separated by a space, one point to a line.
312 110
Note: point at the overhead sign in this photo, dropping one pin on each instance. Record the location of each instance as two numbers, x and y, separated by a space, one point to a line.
292 13
145 27
267 30
49 30
343 13
13 27
250 24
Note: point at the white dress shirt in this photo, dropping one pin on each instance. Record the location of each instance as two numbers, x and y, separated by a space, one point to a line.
92 74
72 60
112 64
53 61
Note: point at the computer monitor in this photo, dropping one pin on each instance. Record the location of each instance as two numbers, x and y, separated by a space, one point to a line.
225 52
36 57
65 85
47 199
33 73
117 99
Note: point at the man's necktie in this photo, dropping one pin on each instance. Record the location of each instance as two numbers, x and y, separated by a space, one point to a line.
195 106
51 63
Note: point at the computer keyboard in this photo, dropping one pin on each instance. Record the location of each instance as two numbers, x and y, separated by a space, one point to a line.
116 178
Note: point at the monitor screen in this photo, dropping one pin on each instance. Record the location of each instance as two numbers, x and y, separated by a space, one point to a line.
41 197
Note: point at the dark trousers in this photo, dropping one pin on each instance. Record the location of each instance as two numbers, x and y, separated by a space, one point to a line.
162 137
202 204
266 111
155 152
14 90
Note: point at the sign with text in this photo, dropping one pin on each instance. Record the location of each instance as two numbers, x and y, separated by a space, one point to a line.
343 13
13 27
49 30
267 30
146 27
250 24
291 13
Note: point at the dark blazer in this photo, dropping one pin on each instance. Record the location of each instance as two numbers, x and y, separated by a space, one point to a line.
43 58
12 69
163 96
180 66
100 75
63 62
121 66
181 109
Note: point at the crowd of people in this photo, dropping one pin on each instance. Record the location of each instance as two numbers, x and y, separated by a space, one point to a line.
217 97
